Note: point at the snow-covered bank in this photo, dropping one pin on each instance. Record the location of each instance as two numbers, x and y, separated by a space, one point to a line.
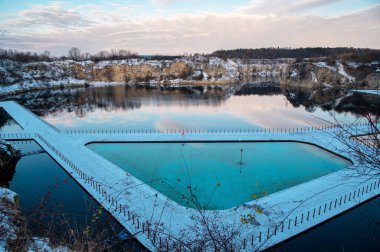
192 71
13 232
12 223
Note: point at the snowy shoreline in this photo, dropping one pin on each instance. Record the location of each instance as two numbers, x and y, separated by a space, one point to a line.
194 71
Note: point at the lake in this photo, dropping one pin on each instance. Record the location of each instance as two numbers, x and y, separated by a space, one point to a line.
121 107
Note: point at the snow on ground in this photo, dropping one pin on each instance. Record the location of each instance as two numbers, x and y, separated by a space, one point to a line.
313 77
368 91
7 227
328 195
344 73
294 73
7 195
324 64
339 68
42 244
354 64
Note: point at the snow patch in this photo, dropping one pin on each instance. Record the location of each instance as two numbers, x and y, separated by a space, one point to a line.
324 64
344 73
313 77
42 244
293 73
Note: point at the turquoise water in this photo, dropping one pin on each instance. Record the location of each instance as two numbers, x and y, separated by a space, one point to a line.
220 175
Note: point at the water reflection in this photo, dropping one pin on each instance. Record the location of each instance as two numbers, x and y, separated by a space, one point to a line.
254 106
7 124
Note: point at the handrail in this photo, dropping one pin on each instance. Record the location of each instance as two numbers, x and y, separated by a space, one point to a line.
204 131
298 219
141 226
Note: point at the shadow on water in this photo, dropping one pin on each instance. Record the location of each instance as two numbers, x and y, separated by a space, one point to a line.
7 124
55 206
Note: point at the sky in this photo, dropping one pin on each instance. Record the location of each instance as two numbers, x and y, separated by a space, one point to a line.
186 26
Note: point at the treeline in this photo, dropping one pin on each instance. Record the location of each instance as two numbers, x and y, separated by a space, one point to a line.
341 53
338 53
77 55
73 54
25 56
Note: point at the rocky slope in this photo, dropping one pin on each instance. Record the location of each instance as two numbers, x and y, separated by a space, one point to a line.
13 234
9 156
190 71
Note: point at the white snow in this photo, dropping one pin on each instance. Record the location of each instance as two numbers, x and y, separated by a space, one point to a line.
339 68
148 205
7 223
313 77
344 73
7 195
324 64
6 216
42 244
294 73
354 64
367 91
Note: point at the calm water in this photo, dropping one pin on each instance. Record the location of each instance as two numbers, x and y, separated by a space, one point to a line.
120 107
7 124
220 175
355 231
123 108
54 203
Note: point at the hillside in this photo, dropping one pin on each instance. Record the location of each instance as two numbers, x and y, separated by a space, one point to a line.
192 71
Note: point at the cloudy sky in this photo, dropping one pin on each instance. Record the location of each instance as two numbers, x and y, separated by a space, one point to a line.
186 26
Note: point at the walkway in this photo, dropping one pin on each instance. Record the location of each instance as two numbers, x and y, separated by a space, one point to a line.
161 224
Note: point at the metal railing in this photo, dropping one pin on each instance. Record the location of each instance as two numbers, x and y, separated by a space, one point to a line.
17 135
203 131
137 221
299 219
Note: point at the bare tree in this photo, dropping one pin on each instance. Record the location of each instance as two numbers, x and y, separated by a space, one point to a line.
74 54
363 143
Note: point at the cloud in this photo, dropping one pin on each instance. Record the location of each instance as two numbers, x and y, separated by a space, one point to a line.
55 15
162 3
284 7
204 32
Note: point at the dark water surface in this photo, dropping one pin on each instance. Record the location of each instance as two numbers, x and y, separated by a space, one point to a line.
54 204
7 124
357 230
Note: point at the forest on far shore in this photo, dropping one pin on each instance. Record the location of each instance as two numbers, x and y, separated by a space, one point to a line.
336 53
341 53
